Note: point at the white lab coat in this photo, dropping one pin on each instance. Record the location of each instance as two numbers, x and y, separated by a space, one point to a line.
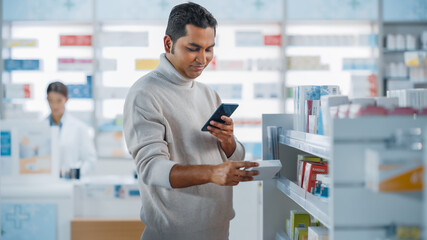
76 145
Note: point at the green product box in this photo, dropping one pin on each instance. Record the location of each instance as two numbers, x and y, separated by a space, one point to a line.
307 157
299 219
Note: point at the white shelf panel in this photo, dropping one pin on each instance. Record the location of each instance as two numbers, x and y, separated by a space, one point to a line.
282 236
316 206
311 143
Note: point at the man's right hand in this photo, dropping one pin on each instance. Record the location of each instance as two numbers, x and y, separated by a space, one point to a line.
231 173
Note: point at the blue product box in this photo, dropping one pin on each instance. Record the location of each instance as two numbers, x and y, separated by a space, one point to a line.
21 65
6 144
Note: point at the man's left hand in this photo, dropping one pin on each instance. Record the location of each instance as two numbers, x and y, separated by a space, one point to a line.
225 134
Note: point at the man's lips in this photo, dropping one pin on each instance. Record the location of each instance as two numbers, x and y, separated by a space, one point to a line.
198 68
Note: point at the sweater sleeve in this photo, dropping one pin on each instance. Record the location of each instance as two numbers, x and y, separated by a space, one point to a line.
145 138
239 152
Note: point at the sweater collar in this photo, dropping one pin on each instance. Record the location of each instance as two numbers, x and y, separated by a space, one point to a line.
168 70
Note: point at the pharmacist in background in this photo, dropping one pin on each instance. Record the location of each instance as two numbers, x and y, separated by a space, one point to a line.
77 153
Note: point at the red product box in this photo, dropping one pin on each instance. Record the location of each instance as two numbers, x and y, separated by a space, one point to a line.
75 40
311 171
27 90
402 111
273 40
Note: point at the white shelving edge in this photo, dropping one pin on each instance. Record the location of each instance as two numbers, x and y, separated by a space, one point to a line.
282 236
315 205
311 143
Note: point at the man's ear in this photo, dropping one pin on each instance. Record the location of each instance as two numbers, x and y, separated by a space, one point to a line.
167 41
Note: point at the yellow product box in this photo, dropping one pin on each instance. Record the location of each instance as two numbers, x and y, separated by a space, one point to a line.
299 219
394 170
301 234
408 232
10 43
318 233
146 64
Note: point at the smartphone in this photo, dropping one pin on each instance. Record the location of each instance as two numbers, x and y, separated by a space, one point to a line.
224 109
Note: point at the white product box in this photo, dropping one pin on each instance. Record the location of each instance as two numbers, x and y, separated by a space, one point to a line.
113 92
399 84
125 39
363 101
387 102
267 169
326 103
318 233
18 91
107 64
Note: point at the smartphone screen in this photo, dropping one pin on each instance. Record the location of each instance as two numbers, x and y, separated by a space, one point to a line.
224 109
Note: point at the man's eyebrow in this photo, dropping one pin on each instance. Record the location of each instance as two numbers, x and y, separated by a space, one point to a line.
198 46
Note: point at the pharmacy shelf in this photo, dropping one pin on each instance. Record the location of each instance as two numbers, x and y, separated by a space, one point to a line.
282 236
310 143
315 205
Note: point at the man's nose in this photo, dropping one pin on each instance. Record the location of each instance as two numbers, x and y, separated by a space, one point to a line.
201 57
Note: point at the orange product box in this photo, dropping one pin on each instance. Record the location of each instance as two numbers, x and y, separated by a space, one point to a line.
311 171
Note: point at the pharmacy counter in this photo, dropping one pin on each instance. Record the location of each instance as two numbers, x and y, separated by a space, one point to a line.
46 208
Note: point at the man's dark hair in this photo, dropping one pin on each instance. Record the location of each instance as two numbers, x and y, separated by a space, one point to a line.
188 13
58 87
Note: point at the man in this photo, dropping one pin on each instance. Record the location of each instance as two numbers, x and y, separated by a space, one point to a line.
185 175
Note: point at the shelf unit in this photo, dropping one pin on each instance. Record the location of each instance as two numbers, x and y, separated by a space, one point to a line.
282 236
103 108
397 56
315 205
352 211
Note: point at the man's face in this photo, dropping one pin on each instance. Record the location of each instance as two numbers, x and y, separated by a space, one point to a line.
193 52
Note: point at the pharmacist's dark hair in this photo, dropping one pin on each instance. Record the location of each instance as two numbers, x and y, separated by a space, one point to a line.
188 13
58 87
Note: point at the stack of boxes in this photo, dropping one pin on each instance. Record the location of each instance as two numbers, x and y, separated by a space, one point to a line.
308 116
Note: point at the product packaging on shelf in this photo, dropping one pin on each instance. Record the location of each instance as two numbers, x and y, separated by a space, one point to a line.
387 102
329 105
21 65
302 161
311 170
395 170
123 39
322 185
81 90
273 133
75 64
299 219
107 64
318 233
312 108
302 94
15 42
412 98
351 110
18 91
408 232
301 233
